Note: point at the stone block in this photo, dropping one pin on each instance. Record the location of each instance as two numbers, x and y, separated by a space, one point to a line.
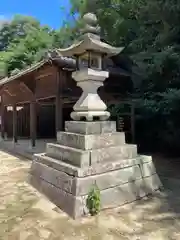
67 202
88 142
145 159
122 194
148 169
100 168
108 179
83 158
81 186
129 192
70 155
126 151
104 167
57 178
56 164
152 183
75 206
97 127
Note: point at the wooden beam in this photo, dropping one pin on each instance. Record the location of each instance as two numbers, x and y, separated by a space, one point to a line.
43 76
15 123
9 93
3 109
8 86
33 115
33 123
46 104
44 98
3 89
59 101
25 88
9 100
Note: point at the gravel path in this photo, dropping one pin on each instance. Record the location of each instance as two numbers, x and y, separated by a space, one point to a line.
27 215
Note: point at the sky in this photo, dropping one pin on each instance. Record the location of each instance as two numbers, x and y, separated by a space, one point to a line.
50 12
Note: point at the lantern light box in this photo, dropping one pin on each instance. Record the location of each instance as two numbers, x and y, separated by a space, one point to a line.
89 59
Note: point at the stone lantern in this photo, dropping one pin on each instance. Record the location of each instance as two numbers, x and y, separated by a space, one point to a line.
91 152
90 74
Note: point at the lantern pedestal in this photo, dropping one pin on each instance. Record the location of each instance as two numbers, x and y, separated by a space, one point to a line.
88 153
90 105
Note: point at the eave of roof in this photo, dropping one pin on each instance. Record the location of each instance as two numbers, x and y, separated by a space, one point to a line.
63 62
23 72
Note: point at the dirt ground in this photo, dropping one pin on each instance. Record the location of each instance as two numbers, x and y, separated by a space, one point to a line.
27 215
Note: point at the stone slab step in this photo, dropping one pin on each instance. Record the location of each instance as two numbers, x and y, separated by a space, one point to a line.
81 186
56 164
83 158
110 154
70 155
89 142
90 170
90 127
75 206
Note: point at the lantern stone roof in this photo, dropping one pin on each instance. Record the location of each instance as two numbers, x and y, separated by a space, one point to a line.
90 40
90 43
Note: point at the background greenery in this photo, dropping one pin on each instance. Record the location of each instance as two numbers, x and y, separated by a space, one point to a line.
150 32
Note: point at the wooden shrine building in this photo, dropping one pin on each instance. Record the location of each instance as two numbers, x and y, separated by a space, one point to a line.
37 101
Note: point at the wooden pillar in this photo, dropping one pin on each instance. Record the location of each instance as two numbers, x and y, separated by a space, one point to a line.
2 119
33 123
15 123
59 101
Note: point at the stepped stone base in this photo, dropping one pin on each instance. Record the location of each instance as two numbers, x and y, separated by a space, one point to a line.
88 153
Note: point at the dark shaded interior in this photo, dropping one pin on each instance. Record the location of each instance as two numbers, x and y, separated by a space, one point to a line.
46 127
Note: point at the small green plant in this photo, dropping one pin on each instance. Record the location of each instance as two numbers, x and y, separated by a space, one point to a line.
93 201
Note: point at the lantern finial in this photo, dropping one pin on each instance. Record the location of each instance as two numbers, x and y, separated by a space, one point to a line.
90 25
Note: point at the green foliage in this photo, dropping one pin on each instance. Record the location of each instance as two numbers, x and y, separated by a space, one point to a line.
23 41
118 109
93 201
2 64
149 30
